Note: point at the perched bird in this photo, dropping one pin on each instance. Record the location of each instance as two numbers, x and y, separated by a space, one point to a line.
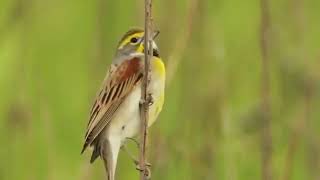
115 114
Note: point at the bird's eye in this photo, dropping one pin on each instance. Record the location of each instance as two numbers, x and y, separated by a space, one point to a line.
134 40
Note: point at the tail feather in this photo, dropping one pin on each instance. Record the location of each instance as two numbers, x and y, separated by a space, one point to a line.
108 167
95 153
109 150
84 147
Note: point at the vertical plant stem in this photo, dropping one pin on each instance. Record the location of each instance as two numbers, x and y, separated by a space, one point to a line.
266 138
182 40
144 103
299 127
299 130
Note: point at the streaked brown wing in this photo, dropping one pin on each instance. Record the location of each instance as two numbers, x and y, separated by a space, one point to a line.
115 88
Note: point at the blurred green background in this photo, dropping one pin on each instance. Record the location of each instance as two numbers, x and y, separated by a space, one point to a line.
54 55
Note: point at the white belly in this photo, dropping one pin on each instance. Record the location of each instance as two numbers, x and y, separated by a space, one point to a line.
126 122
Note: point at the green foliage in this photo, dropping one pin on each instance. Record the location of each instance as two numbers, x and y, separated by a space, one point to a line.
54 55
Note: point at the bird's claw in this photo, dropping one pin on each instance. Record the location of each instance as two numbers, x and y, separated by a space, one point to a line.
147 170
150 99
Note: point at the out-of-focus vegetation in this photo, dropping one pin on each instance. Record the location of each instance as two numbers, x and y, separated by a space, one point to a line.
54 55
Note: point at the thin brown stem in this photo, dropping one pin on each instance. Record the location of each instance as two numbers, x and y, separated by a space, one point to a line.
299 128
294 142
144 104
266 139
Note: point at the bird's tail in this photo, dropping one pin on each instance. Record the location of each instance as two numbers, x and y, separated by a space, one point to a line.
96 150
109 154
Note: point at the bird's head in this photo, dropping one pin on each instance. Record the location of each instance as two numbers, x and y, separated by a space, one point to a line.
132 43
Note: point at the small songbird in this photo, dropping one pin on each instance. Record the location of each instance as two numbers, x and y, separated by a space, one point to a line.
115 114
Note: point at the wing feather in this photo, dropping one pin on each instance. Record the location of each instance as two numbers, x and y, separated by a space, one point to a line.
115 89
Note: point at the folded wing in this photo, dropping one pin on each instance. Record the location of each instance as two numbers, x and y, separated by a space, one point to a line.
120 82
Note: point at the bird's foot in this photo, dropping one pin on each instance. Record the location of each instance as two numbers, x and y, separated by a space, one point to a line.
146 169
134 159
150 99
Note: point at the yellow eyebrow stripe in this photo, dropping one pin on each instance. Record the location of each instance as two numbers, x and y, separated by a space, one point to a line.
127 40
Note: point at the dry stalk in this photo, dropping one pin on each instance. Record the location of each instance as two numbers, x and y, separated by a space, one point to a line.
266 138
145 100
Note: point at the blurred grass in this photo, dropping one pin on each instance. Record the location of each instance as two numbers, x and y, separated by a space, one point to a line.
54 54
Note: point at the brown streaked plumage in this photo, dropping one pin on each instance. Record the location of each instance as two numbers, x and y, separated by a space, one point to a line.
111 95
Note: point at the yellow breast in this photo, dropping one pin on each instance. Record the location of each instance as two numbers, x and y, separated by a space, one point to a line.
157 66
156 88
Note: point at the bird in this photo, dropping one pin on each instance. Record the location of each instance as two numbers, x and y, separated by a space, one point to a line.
115 115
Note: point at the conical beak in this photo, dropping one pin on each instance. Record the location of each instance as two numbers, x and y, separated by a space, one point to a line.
154 35
141 44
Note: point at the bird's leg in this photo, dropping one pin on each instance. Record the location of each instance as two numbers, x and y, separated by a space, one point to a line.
134 140
133 158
